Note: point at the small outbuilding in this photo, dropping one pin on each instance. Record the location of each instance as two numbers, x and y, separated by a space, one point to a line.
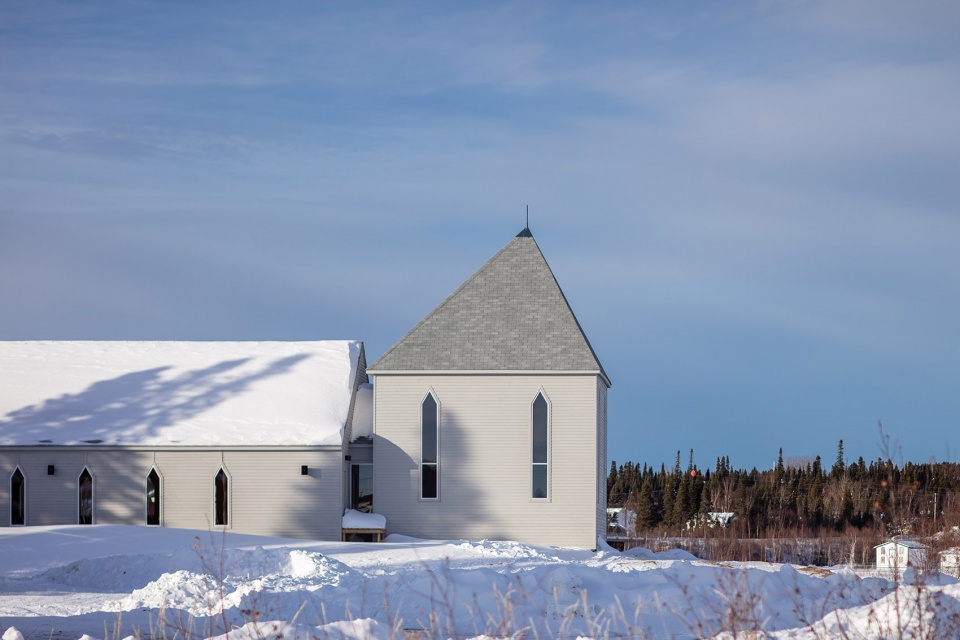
950 561
900 554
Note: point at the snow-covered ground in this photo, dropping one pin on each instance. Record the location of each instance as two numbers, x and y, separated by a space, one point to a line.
110 582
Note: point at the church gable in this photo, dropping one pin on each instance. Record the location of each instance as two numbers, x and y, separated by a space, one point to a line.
510 315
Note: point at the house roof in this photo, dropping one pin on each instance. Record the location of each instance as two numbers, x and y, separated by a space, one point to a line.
511 315
176 393
910 544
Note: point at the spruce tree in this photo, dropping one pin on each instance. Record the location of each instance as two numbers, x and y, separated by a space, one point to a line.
839 465
646 509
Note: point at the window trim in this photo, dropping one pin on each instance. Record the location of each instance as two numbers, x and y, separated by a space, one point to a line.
146 496
436 465
229 503
93 495
549 463
23 500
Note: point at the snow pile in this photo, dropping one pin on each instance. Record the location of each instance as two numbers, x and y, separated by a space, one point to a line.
246 580
247 588
365 629
669 554
175 393
353 519
499 549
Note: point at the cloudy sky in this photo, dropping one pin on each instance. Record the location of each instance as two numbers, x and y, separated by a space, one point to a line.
752 207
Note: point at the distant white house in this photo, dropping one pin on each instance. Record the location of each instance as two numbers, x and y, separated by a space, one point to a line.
623 522
900 554
950 561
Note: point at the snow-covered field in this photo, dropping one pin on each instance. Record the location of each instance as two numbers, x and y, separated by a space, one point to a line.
113 582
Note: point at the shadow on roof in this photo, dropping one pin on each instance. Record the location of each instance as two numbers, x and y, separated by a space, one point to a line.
133 407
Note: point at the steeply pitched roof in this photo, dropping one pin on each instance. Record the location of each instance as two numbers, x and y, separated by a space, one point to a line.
176 393
508 316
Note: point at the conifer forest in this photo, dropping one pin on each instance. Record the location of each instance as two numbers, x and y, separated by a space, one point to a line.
798 498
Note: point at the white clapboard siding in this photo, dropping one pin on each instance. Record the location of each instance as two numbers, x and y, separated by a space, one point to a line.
268 494
485 457
601 485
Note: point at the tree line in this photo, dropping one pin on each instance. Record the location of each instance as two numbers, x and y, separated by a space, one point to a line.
798 496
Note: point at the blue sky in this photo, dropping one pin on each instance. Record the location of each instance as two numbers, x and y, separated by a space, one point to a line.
752 207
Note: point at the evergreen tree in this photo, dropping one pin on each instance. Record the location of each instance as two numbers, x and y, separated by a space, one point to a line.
839 466
669 494
646 509
611 480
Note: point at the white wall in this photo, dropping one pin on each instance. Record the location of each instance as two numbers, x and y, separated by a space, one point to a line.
268 494
485 458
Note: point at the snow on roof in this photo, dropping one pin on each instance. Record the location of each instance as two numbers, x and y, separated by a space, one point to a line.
912 544
176 393
363 412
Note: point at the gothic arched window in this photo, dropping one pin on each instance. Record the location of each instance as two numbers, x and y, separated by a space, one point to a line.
221 492
85 497
429 448
540 445
153 498
18 494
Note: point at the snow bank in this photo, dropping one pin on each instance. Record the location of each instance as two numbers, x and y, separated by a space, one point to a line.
247 588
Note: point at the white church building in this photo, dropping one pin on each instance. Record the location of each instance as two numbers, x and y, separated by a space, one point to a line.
486 420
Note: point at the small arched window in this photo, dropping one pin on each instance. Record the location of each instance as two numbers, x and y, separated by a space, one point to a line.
18 494
540 484
153 498
221 492
85 497
429 448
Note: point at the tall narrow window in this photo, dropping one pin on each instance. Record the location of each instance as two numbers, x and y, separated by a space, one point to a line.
153 497
541 449
18 505
85 494
429 449
221 486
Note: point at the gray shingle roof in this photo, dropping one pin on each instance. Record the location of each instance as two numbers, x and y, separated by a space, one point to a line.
508 316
